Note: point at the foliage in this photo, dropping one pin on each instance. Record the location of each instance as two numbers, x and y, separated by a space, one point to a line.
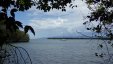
18 36
102 13
101 22
26 28
10 54
10 23
47 5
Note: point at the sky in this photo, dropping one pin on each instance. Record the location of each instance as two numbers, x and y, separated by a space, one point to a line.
56 23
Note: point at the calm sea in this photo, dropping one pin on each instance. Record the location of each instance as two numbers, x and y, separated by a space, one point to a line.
62 51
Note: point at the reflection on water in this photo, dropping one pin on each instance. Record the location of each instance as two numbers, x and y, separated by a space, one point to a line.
48 51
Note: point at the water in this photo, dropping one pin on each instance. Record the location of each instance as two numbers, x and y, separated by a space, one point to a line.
71 51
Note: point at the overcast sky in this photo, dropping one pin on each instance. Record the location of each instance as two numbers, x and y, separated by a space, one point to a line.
55 23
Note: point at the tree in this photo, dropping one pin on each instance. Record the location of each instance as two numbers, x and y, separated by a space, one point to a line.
102 14
18 36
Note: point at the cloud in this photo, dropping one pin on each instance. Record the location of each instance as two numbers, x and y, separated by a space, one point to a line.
48 23
55 27
56 22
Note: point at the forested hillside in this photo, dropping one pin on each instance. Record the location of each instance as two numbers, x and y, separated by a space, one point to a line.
18 36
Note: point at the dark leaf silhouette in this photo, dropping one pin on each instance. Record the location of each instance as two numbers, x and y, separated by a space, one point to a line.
19 24
96 54
101 45
12 12
4 10
112 45
32 30
88 28
11 19
101 55
26 28
12 2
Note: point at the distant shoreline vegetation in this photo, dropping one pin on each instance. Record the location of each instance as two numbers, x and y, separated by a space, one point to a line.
80 38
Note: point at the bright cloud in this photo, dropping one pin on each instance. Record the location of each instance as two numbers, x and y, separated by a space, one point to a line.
56 22
47 23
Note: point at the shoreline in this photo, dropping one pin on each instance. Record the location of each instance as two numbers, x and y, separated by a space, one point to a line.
81 38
